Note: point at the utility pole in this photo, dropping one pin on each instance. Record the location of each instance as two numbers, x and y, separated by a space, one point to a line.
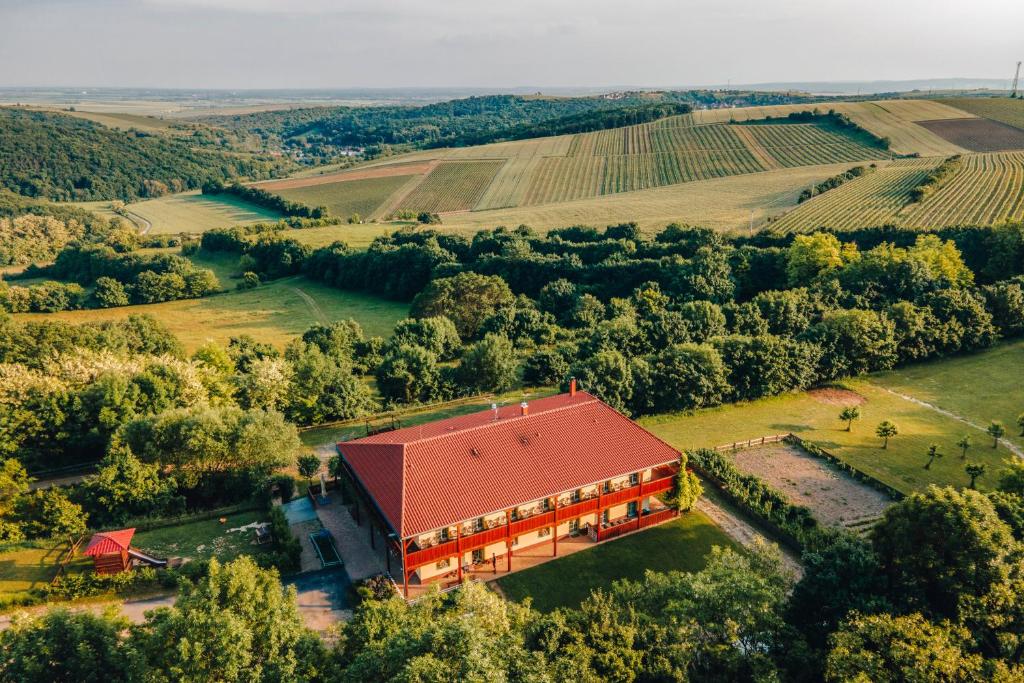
1016 78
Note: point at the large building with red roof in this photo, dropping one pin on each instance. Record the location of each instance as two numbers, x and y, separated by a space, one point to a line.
474 490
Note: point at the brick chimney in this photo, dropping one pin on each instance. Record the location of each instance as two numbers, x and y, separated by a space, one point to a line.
572 386
524 408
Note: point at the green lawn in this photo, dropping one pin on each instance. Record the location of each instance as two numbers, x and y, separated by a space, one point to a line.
28 565
203 540
810 416
681 545
194 212
275 313
356 236
980 387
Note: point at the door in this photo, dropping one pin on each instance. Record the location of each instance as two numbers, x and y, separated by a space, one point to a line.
631 509
478 556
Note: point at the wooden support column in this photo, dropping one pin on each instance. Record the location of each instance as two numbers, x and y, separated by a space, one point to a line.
600 514
554 531
508 538
458 548
405 567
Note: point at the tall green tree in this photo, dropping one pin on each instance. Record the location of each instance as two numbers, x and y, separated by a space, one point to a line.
848 415
489 365
996 430
885 431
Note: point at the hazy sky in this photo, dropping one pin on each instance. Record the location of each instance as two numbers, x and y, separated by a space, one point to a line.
393 43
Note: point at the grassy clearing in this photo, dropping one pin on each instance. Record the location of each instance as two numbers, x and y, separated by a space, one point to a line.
24 566
205 539
343 199
356 236
194 212
680 545
814 418
979 387
274 313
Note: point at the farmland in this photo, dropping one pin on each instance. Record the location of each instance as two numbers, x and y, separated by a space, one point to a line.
451 186
986 190
190 212
977 135
1002 109
349 197
274 313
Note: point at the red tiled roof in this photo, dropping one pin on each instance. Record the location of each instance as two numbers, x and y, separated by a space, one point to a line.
430 476
109 542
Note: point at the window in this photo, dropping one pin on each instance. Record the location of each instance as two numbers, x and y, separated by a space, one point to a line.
444 564
478 556
444 535
576 496
546 531
478 524
607 487
634 479
605 517
547 504
574 526
631 509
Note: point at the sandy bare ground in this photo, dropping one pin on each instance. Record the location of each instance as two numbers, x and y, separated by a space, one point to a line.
738 529
834 498
412 168
836 397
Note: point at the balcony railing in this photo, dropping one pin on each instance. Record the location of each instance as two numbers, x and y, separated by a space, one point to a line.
618 528
482 538
575 510
620 496
522 526
658 517
418 558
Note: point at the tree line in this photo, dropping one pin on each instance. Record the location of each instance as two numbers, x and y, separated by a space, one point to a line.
933 594
56 156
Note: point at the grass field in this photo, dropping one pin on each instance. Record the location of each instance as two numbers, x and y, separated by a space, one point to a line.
194 212
358 236
1002 109
342 199
814 417
980 387
273 313
680 545
32 564
203 540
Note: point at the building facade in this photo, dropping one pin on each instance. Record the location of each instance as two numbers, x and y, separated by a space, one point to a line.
474 490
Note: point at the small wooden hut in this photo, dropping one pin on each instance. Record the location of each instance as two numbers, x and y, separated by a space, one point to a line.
109 551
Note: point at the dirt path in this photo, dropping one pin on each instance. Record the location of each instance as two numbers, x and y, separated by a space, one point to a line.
143 224
313 305
1010 446
739 529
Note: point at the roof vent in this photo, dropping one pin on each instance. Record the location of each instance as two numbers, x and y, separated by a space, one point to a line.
475 451
525 440
524 408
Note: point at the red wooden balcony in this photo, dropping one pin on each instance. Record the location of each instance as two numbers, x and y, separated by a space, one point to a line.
575 510
482 538
522 526
659 485
418 558
620 496
657 517
619 527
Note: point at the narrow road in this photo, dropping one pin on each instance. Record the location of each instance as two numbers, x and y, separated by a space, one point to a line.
739 529
1010 446
143 224
313 305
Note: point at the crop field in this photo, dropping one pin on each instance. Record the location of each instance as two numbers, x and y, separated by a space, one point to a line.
871 200
404 168
451 186
814 416
1002 109
194 212
977 135
988 189
274 313
732 203
349 197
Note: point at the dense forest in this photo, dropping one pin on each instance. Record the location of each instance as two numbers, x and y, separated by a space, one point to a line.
322 132
65 158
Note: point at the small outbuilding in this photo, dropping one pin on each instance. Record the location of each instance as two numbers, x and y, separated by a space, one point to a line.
109 551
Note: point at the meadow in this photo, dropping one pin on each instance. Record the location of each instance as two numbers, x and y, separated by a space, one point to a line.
193 212
204 539
680 545
814 416
274 313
